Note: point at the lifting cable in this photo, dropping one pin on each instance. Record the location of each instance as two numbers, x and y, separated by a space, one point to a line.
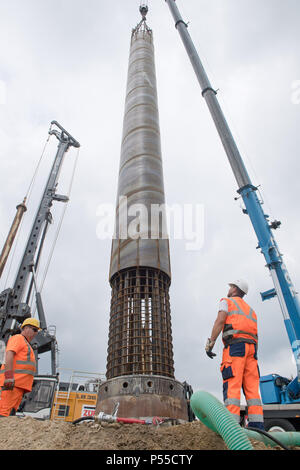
31 185
60 222
26 199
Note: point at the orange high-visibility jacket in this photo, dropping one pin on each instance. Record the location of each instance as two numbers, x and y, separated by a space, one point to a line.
240 324
24 365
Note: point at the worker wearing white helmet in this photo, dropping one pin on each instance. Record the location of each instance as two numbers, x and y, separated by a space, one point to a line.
17 374
239 368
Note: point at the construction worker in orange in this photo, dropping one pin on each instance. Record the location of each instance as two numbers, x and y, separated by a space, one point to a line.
17 374
239 367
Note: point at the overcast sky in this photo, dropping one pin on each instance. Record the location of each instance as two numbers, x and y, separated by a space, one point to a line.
67 60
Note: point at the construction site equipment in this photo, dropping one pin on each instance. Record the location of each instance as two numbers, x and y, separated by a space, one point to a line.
114 418
15 310
14 302
274 389
39 402
52 398
76 398
69 406
156 421
140 364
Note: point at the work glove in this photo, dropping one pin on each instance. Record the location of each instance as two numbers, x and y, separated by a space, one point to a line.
9 381
208 348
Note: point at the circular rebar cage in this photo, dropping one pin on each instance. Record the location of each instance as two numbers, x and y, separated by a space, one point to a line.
140 335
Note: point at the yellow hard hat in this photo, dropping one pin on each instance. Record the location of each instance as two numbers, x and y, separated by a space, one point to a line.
31 322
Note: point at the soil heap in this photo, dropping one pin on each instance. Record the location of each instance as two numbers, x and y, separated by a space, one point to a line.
31 434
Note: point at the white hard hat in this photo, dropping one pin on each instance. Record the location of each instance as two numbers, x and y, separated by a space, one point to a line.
241 285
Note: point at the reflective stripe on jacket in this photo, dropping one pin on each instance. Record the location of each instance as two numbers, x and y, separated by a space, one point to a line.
24 365
241 322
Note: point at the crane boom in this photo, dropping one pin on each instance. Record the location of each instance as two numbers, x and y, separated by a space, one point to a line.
283 286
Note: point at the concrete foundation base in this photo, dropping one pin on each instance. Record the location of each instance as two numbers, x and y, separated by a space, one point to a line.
143 396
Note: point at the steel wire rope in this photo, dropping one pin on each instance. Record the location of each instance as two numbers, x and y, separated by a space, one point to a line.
29 191
26 199
59 227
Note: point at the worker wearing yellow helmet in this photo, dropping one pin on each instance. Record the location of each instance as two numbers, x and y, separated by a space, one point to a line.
17 374
239 368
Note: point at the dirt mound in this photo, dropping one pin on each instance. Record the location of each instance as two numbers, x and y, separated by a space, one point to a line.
31 434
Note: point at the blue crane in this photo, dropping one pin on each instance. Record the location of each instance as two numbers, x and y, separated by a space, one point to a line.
273 387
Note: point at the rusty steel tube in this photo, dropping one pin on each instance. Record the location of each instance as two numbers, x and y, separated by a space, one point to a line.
21 208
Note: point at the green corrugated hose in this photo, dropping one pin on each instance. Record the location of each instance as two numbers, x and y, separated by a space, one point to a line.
289 439
216 417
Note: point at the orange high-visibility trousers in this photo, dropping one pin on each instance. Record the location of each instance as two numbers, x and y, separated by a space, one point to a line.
239 369
10 400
